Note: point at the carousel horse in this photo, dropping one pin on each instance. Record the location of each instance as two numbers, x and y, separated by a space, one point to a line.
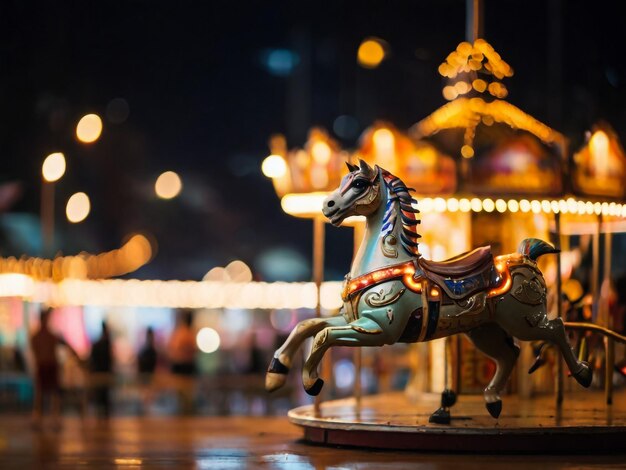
392 294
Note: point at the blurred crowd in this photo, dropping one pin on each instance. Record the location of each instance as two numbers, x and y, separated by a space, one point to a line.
63 379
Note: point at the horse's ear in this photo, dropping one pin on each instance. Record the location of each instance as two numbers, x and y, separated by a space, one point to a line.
351 167
365 168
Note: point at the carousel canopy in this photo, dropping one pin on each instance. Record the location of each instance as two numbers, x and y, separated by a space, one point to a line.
501 149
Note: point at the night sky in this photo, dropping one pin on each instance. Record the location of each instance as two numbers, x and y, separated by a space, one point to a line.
203 102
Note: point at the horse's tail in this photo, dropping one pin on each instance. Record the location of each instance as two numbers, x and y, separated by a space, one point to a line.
533 248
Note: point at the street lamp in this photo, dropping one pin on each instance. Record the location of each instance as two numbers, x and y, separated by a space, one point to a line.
52 170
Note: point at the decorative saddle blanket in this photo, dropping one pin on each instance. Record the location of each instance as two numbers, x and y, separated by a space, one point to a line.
458 277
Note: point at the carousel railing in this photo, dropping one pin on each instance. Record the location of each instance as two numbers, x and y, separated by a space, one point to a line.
610 337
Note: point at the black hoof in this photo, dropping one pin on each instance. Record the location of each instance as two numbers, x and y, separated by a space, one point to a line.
316 388
539 359
441 416
494 408
536 365
448 398
585 375
277 367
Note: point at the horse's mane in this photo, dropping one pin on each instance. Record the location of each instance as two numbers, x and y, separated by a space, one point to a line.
397 191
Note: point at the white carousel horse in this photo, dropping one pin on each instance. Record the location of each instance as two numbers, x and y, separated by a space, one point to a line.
394 295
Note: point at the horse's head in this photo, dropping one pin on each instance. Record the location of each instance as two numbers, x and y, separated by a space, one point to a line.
358 194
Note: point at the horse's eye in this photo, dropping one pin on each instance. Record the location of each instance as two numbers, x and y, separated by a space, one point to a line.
360 184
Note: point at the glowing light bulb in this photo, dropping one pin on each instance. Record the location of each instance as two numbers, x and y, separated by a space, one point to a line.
501 205
465 205
476 204
453 204
208 340
488 205
467 151
384 141
168 185
53 167
371 53
77 208
439 204
274 166
524 205
89 128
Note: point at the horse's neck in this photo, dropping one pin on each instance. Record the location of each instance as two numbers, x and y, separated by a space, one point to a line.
370 256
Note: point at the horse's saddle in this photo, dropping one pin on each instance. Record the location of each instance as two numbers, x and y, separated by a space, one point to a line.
462 275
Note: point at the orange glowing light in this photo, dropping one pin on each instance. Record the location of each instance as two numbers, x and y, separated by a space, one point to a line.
168 185
78 207
371 53
53 167
274 166
321 152
89 128
405 271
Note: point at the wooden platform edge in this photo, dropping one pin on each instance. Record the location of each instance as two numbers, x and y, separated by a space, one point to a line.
537 440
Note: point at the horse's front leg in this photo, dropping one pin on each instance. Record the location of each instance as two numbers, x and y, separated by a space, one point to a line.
283 357
362 332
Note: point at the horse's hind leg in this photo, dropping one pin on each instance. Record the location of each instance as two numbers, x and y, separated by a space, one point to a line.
497 344
554 332
276 375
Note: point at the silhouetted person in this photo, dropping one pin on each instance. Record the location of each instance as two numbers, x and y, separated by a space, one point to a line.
182 346
182 356
101 366
147 357
47 384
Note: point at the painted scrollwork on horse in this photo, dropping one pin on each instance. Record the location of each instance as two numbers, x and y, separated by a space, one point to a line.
392 294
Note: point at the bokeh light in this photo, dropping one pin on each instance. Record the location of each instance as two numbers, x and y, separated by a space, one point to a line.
168 185
216 274
78 207
238 271
89 128
274 166
53 167
321 152
208 340
371 53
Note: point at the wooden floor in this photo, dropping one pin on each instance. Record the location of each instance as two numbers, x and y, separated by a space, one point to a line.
247 442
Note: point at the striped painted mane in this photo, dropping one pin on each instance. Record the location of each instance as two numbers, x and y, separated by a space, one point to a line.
399 206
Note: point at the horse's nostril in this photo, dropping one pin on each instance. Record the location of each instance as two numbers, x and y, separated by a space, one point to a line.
330 203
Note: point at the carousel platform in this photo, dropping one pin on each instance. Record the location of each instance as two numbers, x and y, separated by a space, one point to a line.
584 424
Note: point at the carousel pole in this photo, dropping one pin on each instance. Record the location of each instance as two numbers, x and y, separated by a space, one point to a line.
595 269
606 279
359 230
318 277
559 306
474 20
609 344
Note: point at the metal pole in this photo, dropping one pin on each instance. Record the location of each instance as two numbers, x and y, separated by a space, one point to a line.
359 230
318 277
609 346
606 280
474 20
47 218
595 269
559 307
606 317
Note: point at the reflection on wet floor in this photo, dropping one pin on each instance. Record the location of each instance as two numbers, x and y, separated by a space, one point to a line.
225 443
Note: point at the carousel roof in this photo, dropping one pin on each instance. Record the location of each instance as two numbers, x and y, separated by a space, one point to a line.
503 149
